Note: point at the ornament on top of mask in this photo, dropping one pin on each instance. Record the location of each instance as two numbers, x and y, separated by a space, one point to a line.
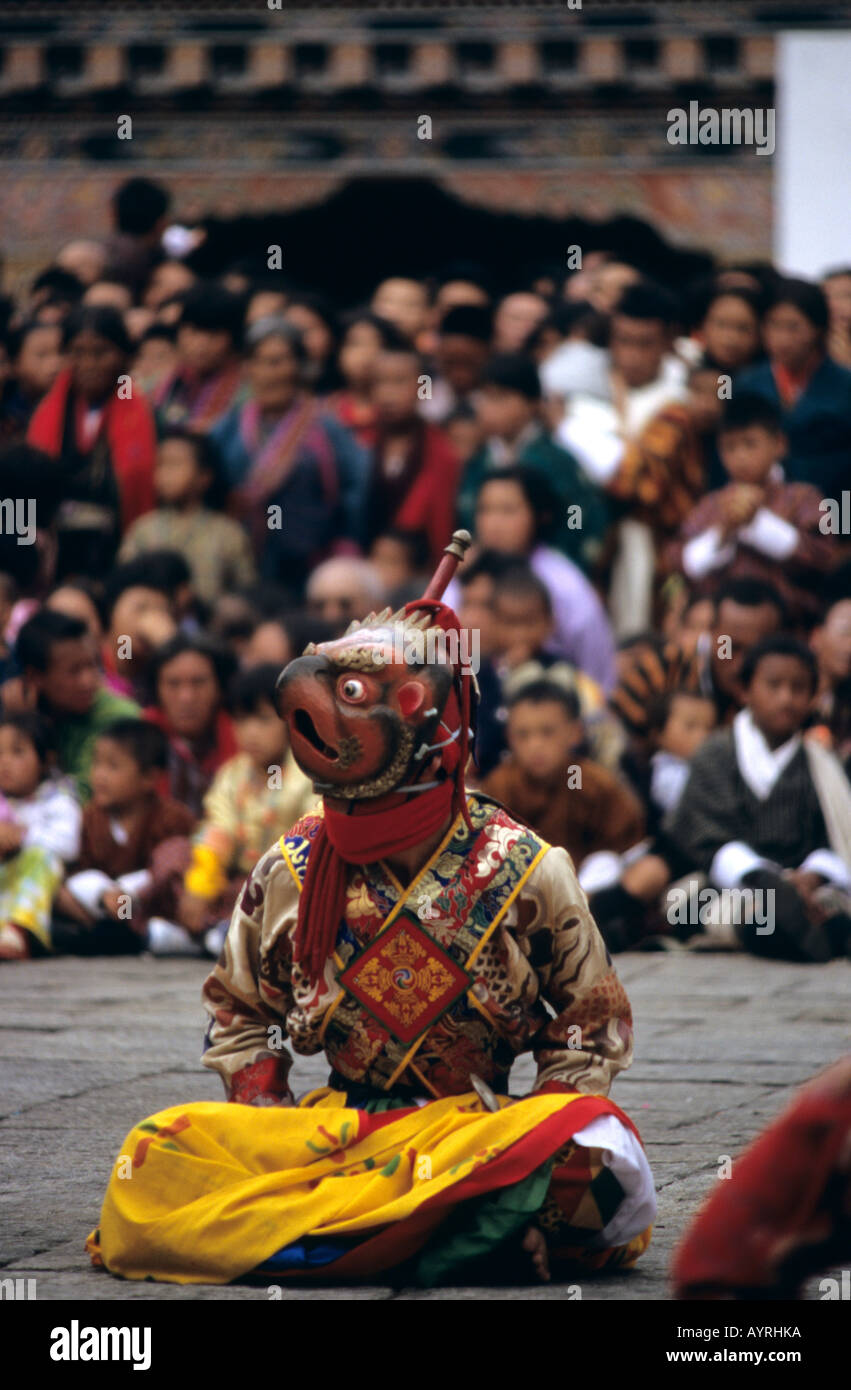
365 711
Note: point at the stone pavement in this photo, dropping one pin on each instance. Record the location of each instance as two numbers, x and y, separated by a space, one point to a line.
89 1047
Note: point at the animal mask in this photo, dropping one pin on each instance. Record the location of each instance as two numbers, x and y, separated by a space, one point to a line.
364 711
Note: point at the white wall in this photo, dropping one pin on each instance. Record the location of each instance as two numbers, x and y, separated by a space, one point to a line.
812 162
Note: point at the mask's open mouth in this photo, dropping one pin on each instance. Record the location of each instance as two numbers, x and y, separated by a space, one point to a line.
305 726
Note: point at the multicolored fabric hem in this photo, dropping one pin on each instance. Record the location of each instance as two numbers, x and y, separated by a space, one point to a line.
208 1193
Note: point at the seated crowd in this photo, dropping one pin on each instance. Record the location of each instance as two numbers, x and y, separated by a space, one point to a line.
199 476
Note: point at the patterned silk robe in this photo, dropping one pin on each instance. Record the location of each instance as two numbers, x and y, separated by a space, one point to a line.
520 967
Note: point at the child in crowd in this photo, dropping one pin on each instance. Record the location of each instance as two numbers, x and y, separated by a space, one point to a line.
679 722
523 627
134 846
758 526
567 798
39 833
765 809
217 547
255 797
624 889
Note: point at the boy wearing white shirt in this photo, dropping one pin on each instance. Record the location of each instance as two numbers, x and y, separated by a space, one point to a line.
758 526
767 810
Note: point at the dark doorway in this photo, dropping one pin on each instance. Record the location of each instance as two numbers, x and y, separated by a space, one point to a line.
372 228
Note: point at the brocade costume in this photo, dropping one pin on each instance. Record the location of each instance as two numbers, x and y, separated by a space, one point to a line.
421 997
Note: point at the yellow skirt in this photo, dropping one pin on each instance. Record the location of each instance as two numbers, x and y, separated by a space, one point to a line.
207 1192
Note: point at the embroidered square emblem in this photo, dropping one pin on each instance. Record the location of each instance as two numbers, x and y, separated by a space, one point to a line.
405 980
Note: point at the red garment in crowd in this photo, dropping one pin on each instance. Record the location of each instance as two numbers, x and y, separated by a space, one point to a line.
422 497
189 776
791 385
358 417
130 434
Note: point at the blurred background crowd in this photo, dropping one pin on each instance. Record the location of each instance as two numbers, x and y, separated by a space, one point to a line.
224 469
206 464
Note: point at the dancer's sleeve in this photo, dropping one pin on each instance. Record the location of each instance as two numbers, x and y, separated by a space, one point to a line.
248 994
590 1038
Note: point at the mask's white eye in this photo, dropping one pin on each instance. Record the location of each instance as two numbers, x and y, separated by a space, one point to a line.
352 690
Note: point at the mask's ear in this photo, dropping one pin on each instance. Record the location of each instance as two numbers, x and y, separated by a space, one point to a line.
411 698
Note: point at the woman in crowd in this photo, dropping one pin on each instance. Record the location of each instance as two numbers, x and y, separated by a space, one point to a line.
811 390
365 335
729 329
102 436
316 322
515 512
189 675
298 476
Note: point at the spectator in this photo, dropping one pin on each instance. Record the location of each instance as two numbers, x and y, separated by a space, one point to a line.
508 410
299 476
141 615
189 677
313 318
84 258
664 470
167 279
139 208
35 354
514 514
463 348
645 377
515 318
812 392
401 560
567 798
258 794
837 288
207 382
122 875
80 598
415 470
765 810
729 331
39 833
342 589
102 436
831 642
745 612
404 303
216 547
58 661
268 644
758 526
365 336
156 357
